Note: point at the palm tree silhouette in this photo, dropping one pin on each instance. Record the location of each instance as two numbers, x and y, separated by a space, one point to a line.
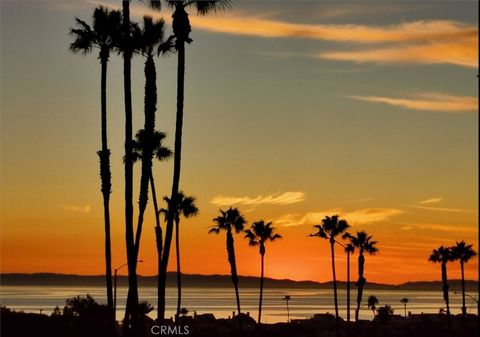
258 234
372 303
104 36
330 228
443 255
404 301
349 250
287 299
365 245
127 47
463 253
161 153
183 206
230 221
149 42
181 32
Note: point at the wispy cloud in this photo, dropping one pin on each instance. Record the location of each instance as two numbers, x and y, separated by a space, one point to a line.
463 52
77 209
356 217
442 209
285 198
427 102
439 227
430 201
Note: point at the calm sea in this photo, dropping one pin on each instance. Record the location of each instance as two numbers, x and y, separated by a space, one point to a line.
221 301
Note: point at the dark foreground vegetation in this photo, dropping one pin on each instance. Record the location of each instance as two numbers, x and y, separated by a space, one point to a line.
82 319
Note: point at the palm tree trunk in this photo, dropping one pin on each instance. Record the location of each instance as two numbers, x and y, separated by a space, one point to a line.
158 238
150 106
445 287
132 298
233 266
105 177
179 273
176 171
288 313
405 309
360 284
261 287
348 286
464 307
335 295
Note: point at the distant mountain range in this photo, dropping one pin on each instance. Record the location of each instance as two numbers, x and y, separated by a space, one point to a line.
212 281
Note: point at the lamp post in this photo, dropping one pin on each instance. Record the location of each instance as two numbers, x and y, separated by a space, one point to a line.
115 288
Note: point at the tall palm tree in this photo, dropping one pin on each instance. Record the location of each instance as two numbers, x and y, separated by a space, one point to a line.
372 303
463 253
161 153
365 244
127 47
230 221
330 228
443 255
258 234
182 206
404 301
104 36
349 250
181 32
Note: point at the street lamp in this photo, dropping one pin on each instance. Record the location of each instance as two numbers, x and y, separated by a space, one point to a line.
115 289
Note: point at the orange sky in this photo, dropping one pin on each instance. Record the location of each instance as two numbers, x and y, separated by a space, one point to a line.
325 109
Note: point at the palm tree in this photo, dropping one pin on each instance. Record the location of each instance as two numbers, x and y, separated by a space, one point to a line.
183 206
287 299
443 255
463 253
104 36
181 32
372 303
365 245
349 249
127 47
230 221
161 153
258 234
330 228
404 301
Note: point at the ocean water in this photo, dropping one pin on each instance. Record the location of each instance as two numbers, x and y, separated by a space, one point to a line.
304 303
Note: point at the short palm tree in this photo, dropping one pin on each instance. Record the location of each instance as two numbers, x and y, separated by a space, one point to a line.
372 303
443 255
182 206
104 37
364 244
463 253
258 234
349 250
161 153
230 221
181 31
404 301
287 299
330 228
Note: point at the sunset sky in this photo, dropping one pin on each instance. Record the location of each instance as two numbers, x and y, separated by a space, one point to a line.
293 111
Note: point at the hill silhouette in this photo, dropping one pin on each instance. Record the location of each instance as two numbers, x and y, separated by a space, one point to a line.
196 280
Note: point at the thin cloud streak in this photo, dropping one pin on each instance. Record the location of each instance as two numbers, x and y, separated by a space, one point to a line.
438 227
430 201
77 209
356 217
460 53
285 198
427 102
442 209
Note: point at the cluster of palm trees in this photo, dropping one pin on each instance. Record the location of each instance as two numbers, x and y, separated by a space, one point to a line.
232 222
330 229
461 252
114 31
